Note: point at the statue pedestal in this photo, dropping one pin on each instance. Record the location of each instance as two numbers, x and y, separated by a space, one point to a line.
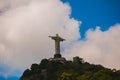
62 59
57 55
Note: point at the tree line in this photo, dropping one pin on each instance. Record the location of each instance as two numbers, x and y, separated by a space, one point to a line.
77 69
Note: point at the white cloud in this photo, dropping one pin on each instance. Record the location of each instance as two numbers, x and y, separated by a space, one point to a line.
99 47
25 27
26 24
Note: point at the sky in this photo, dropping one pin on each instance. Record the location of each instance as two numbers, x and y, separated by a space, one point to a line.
91 29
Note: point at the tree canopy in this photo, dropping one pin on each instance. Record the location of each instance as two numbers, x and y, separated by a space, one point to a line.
77 69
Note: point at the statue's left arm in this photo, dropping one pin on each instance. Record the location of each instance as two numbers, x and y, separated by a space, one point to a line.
61 39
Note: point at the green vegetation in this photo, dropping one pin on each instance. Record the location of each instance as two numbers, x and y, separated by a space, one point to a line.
69 70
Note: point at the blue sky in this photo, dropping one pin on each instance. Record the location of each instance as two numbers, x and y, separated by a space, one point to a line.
92 13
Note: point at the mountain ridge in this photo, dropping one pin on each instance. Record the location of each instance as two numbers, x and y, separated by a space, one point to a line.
77 69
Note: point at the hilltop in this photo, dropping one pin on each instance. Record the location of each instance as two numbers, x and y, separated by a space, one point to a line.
77 69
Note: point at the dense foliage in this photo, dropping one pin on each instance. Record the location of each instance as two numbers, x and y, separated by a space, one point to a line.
69 70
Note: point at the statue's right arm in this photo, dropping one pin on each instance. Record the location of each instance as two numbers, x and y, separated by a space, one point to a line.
52 37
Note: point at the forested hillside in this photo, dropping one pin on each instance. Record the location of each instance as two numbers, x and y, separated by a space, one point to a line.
69 70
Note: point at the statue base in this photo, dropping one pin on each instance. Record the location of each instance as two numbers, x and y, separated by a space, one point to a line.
57 55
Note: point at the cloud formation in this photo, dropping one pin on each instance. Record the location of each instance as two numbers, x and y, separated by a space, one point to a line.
25 27
99 47
26 24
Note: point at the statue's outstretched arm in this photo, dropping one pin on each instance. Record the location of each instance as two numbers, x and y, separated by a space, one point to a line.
62 39
52 37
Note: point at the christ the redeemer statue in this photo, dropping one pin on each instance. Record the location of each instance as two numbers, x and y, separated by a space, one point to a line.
57 39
